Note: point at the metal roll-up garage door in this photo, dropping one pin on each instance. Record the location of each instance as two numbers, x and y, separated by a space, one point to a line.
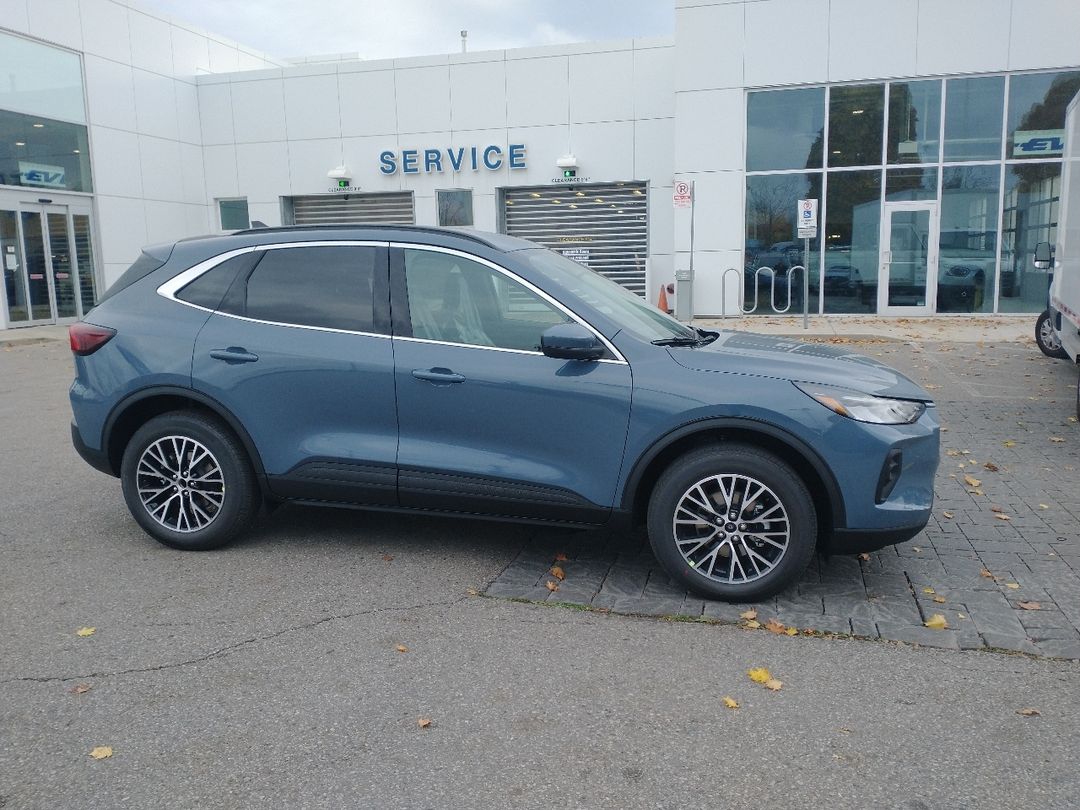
604 227
353 209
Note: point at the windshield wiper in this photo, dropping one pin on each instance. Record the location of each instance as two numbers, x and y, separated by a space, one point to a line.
703 337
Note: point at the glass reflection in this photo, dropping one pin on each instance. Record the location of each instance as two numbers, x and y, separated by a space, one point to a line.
914 122
973 110
1030 216
852 225
1037 103
856 119
784 129
968 239
772 240
84 255
911 184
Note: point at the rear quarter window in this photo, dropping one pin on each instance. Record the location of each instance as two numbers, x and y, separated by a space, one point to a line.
143 266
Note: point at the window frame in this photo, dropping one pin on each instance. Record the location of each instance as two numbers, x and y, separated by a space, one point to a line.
381 303
402 322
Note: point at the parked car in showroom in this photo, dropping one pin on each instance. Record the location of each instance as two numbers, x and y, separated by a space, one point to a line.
467 373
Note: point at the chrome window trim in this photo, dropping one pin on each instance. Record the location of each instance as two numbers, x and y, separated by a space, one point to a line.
171 287
619 358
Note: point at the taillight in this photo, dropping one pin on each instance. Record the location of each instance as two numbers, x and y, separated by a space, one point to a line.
85 338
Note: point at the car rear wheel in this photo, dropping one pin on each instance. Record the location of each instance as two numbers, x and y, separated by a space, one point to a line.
1047 338
187 482
732 522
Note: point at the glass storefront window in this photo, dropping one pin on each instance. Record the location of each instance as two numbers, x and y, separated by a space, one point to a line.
43 153
772 241
1030 216
1037 103
914 122
784 129
84 255
40 80
856 119
14 271
973 110
911 184
852 227
967 253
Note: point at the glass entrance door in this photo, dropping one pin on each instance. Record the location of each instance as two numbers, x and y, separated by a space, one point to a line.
48 262
909 257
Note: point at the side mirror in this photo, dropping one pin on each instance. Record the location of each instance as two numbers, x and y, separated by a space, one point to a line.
1044 256
571 341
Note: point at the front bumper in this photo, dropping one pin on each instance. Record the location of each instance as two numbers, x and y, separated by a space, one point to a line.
857 541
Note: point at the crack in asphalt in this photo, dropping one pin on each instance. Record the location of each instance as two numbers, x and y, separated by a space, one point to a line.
230 648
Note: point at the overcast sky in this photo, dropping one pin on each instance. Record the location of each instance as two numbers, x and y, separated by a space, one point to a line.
379 29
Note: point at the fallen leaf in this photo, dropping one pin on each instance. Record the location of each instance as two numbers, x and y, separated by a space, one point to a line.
1000 516
401 648
472 592
1015 586
102 752
748 614
985 573
791 631
996 508
1009 443
773 684
759 675
558 573
81 688
560 557
948 515
940 600
952 452
916 549
991 466
1056 439
927 589
86 631
1072 419
1044 506
972 481
423 722
753 624
731 703
1028 712
1030 605
864 557
936 622
388 557
774 626
552 585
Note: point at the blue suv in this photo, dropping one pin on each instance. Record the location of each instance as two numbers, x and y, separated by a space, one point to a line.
467 373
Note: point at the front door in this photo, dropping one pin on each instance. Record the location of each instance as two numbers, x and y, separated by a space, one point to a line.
48 262
488 423
909 257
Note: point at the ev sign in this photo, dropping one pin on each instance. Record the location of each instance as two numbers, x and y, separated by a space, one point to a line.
807 219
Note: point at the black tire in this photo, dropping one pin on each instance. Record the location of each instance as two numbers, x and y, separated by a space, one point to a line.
742 463
1046 339
224 477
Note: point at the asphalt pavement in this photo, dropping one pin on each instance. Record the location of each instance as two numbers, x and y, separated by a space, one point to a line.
269 674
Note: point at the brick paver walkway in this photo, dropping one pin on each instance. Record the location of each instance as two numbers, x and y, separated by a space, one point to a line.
1000 559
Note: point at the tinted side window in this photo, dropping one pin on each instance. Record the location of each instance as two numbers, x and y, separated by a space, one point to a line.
209 288
328 286
455 300
143 266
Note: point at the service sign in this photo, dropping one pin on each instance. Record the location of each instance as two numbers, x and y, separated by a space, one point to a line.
452 159
40 174
1038 142
806 213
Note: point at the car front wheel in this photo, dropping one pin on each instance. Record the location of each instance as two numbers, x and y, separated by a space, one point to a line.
187 481
732 522
1047 338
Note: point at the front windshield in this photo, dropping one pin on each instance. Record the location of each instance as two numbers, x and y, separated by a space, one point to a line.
627 310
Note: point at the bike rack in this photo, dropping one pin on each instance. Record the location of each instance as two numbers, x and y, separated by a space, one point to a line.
741 275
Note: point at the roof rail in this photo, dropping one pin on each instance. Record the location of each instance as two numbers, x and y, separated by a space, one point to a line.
461 232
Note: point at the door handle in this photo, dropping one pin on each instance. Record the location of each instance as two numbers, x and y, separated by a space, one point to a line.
234 354
438 376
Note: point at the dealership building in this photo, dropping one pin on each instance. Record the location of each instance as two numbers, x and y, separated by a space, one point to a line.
929 132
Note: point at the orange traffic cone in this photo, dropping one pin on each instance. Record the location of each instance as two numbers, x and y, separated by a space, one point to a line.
661 304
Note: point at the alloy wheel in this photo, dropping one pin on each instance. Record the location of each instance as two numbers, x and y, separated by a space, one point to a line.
180 484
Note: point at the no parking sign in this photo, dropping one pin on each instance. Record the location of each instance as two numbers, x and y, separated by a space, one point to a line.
807 218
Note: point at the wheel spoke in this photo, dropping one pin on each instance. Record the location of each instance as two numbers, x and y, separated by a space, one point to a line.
171 491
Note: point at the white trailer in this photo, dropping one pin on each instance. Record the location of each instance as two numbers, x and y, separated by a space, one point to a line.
1065 257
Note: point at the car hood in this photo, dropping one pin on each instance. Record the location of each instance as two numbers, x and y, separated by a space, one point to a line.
788 359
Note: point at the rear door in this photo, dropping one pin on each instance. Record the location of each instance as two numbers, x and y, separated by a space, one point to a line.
488 423
299 352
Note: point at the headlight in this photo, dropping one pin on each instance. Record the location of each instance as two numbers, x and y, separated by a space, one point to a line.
864 407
